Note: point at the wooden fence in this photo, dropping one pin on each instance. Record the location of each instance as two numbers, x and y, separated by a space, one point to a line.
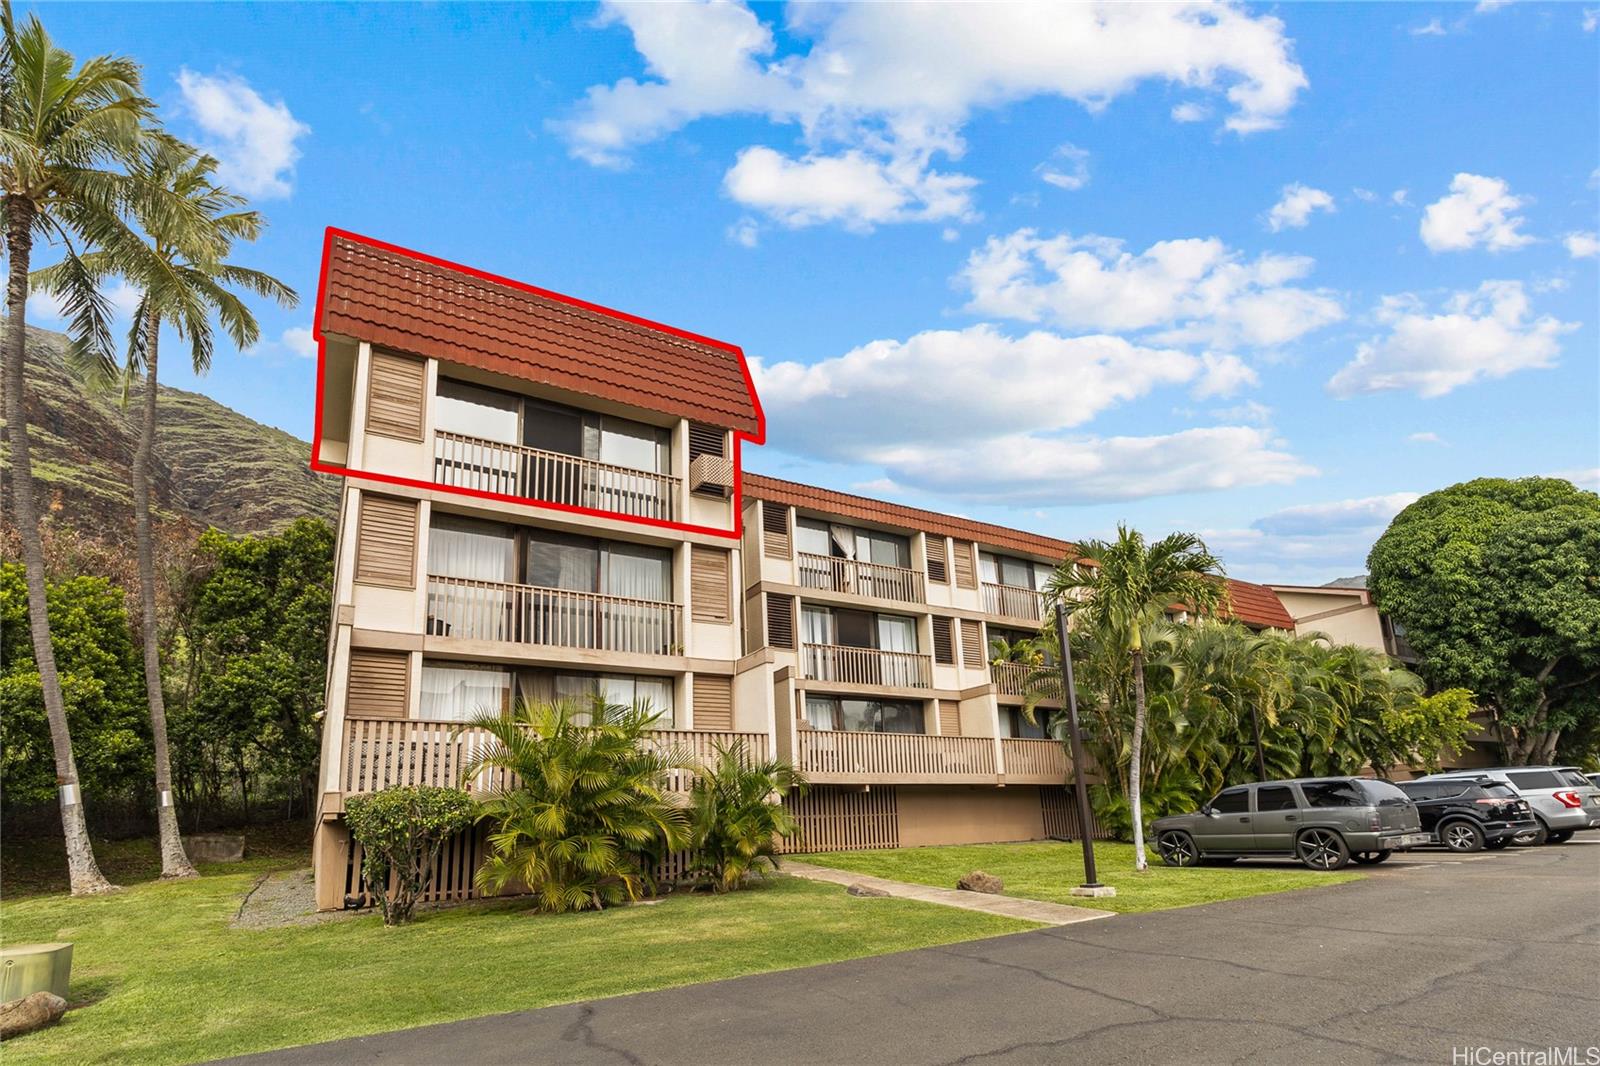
564 618
841 757
535 474
867 666
881 580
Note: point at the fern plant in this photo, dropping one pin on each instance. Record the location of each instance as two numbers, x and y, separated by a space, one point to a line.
739 817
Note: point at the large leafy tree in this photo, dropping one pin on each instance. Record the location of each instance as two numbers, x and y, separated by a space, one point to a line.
186 282
62 130
1117 589
1497 585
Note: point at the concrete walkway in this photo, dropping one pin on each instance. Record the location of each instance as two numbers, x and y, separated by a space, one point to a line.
1030 910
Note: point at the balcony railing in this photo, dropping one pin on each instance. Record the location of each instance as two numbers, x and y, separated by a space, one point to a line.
535 474
381 752
867 666
528 614
861 579
840 757
1033 762
1011 679
1013 601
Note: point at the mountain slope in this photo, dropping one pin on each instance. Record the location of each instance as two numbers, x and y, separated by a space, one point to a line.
213 466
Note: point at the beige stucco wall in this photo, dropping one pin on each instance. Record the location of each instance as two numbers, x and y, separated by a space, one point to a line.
956 815
1339 614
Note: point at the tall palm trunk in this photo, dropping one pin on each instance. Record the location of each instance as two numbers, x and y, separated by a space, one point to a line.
1135 771
174 862
84 874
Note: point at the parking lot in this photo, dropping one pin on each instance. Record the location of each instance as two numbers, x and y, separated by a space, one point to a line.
1431 952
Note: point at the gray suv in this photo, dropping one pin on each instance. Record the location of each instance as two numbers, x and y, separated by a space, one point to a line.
1323 821
1563 800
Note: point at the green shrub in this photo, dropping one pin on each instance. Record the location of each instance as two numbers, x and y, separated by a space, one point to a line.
739 817
401 831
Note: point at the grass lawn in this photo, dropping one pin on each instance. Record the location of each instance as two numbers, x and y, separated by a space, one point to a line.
1047 870
159 976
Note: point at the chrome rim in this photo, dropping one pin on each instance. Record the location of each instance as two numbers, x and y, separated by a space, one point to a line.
1177 849
1460 837
1320 849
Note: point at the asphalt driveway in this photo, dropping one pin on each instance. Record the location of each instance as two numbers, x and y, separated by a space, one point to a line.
1430 953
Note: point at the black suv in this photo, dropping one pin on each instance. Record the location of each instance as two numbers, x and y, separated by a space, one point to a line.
1468 814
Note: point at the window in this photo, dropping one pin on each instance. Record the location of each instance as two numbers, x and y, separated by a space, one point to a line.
1009 570
1232 801
471 549
1385 794
865 716
623 690
1574 778
1013 723
475 412
456 692
1527 780
838 541
874 546
1276 798
1422 791
490 414
1333 794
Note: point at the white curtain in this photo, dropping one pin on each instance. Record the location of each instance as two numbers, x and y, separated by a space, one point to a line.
458 692
816 625
474 412
465 548
897 633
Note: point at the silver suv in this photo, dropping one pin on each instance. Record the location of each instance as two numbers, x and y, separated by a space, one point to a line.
1323 821
1563 800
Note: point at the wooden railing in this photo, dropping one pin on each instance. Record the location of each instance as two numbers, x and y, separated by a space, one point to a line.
840 757
1033 762
380 752
535 474
861 579
866 666
528 614
1011 679
1013 601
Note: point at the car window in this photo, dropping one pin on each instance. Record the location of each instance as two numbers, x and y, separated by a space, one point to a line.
1232 801
1419 791
1276 798
1333 794
1532 779
1574 778
1383 793
1497 791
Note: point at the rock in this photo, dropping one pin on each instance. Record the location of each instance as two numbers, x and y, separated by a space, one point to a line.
29 1013
214 847
978 881
859 889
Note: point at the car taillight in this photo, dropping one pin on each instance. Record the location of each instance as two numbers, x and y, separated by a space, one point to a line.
1374 822
1489 801
1570 799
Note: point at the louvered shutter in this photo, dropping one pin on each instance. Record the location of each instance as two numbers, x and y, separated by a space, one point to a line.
966 573
379 682
395 400
780 621
386 542
938 559
972 651
949 718
775 526
944 645
708 585
713 701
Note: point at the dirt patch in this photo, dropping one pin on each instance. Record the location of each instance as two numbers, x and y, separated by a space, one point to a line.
286 897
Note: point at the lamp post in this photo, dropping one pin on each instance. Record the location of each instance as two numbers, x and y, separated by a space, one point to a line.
1091 885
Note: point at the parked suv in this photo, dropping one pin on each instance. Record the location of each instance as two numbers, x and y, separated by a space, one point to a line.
1470 814
1562 799
1324 822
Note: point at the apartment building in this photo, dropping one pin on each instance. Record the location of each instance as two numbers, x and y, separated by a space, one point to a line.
545 498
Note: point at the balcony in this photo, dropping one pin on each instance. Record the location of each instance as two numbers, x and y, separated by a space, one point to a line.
570 480
879 580
381 752
1033 762
866 666
1013 601
845 758
561 618
1010 679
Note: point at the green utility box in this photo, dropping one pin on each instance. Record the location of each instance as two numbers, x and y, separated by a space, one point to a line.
29 968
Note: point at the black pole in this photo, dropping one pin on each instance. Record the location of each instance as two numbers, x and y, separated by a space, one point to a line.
1077 748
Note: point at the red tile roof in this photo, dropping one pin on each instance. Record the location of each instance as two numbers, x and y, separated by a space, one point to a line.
827 501
1257 606
404 300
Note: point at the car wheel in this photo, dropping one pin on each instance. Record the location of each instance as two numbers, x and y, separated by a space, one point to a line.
1536 839
1461 836
1560 836
1496 845
1371 858
1322 849
1177 849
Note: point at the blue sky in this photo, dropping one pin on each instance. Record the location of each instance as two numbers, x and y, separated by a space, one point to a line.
1259 272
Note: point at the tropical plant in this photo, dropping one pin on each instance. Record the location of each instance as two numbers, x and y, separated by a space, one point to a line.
184 283
1118 588
1496 584
401 831
738 816
588 803
1026 650
61 132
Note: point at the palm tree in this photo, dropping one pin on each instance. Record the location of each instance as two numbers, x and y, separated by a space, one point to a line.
738 816
58 131
185 283
586 801
1119 588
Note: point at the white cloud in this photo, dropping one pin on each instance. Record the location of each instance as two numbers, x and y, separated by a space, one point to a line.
1591 19
1295 207
1067 168
1425 438
1366 196
1189 111
1194 290
1431 28
1308 543
1483 334
297 341
1252 412
1585 478
253 140
1223 377
1485 7
745 233
854 189
898 82
1400 197
1368 512
1582 245
1477 211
